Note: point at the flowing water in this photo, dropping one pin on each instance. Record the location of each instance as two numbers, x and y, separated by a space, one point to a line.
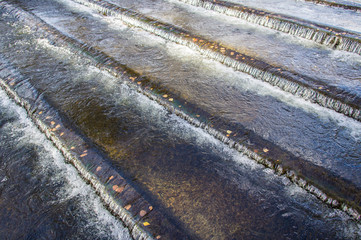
345 19
203 186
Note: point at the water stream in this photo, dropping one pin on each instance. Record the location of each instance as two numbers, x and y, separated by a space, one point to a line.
202 185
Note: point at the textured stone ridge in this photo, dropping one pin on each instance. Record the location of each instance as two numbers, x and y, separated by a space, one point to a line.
344 5
341 194
329 36
143 220
295 83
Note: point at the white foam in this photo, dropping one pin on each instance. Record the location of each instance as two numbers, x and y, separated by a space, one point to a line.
51 163
247 83
340 18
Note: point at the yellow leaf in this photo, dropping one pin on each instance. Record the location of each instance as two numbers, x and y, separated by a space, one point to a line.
146 223
229 131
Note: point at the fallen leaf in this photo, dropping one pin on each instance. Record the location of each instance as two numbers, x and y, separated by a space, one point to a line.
98 169
61 134
83 155
41 112
265 150
146 223
171 99
229 131
150 208
52 123
165 95
128 207
118 188
142 213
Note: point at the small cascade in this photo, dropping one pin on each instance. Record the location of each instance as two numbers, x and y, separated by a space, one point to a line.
144 86
36 108
328 36
343 4
296 84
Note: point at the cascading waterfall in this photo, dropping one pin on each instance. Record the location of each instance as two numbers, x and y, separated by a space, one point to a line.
292 82
38 107
141 84
344 5
330 37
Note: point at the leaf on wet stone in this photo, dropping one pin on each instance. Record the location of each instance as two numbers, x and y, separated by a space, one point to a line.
142 213
118 189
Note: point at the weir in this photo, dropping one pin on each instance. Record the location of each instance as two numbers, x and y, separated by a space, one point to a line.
294 83
328 36
339 4
117 193
287 165
145 219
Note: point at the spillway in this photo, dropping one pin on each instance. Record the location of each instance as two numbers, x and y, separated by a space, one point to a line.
185 122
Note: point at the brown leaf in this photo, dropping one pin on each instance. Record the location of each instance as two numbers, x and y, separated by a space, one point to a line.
142 213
